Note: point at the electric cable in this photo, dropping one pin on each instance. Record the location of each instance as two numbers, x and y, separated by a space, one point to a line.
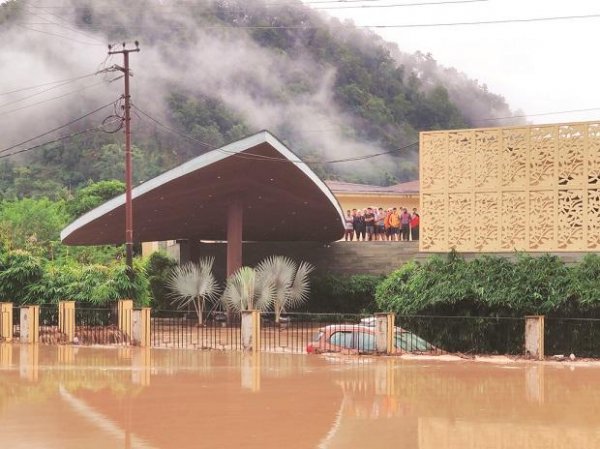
57 128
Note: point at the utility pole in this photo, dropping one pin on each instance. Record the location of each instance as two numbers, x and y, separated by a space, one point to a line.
128 165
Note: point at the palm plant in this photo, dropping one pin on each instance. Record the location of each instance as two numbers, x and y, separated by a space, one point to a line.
289 281
195 284
245 290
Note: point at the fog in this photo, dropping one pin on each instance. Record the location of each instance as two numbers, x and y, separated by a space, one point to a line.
61 42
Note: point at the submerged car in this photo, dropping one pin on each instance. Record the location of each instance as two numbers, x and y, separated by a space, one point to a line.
360 338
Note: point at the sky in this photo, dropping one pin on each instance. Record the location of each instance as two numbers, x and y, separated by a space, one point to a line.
539 67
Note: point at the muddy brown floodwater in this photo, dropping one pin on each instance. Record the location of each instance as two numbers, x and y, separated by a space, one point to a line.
65 397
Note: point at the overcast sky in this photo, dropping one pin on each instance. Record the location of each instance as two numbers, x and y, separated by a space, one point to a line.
538 67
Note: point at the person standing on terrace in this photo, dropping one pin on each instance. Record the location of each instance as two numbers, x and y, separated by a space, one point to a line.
349 226
405 225
414 225
370 223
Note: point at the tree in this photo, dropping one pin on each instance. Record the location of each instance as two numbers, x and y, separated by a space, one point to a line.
289 281
245 291
93 195
195 284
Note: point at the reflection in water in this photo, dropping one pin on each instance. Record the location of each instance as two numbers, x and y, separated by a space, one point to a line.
77 397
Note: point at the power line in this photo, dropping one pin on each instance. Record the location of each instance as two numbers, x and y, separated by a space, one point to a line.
55 98
352 26
65 81
63 25
58 35
398 5
540 114
57 128
24 150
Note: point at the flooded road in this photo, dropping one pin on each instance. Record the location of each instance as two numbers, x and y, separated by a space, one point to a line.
65 397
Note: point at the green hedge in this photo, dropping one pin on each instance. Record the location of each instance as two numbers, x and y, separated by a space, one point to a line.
342 294
494 286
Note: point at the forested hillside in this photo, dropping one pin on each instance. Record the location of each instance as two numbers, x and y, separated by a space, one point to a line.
210 72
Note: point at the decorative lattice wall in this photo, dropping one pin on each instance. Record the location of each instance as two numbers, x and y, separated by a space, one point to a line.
533 188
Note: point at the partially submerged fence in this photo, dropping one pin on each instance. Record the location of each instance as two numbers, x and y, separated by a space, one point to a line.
182 329
67 323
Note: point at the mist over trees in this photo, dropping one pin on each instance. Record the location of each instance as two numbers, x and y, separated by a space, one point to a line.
216 71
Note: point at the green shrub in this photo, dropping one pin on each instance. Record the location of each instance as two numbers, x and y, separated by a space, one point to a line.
19 270
342 294
158 268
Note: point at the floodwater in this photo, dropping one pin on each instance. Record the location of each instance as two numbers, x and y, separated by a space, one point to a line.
65 397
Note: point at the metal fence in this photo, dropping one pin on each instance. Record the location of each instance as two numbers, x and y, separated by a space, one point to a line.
466 334
183 329
95 326
579 336
313 332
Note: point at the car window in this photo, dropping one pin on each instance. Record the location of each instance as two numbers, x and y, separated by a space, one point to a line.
409 342
366 341
341 338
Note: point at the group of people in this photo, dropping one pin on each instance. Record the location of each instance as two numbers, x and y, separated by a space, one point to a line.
395 224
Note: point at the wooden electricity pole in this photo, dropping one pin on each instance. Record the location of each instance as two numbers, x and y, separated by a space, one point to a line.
128 165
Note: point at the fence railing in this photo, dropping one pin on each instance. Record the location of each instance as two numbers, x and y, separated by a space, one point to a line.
466 334
579 336
183 329
301 332
95 326
325 332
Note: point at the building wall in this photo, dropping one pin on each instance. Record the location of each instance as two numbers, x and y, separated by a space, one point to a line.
532 188
356 201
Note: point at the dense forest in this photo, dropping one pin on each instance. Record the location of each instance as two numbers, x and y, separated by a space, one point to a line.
212 72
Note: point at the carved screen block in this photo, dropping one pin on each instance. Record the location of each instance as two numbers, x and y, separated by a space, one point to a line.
514 157
534 188
570 220
542 157
486 219
460 161
593 155
513 221
487 159
593 219
434 161
460 221
571 152
433 224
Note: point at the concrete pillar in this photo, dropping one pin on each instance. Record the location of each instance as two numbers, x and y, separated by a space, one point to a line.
385 332
534 336
251 330
184 251
235 219
66 319
125 314
6 321
141 327
30 324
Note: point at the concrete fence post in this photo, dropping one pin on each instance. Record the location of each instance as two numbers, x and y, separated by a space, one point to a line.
125 312
30 324
66 319
384 332
251 330
6 321
534 336
141 327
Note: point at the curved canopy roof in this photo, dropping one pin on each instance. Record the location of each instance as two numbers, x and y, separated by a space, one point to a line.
281 197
